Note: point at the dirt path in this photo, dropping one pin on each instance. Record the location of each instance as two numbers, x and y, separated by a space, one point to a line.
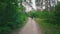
30 28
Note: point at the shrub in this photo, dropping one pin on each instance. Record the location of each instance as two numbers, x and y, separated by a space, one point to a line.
48 17
10 16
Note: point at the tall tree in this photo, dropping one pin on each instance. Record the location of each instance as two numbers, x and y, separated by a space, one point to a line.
46 4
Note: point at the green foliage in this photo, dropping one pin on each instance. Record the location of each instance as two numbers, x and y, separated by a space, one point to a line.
42 15
52 17
57 14
11 17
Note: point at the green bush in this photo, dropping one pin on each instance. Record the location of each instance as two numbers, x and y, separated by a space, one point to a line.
49 17
42 15
11 17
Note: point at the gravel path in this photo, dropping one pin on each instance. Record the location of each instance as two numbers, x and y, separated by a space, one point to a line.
31 27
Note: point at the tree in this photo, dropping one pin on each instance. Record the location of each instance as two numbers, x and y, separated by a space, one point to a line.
11 17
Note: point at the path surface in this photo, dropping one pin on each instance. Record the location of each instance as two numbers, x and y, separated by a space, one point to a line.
30 28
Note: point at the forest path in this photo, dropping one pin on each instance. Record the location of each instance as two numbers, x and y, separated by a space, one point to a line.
31 27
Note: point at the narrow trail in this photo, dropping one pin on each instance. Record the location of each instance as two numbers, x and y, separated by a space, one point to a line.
30 28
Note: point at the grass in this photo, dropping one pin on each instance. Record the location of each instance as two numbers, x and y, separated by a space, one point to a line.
48 28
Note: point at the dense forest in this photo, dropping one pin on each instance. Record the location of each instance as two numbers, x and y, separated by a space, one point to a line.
13 16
